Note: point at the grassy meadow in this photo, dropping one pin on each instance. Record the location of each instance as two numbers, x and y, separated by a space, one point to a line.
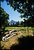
21 31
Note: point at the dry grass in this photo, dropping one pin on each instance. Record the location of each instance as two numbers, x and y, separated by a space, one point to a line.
23 31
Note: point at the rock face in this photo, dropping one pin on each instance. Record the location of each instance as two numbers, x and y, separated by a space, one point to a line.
11 34
12 22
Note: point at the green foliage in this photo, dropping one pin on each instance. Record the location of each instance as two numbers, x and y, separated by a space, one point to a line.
30 22
23 6
3 18
3 21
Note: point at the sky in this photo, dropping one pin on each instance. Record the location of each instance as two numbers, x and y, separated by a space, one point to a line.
13 15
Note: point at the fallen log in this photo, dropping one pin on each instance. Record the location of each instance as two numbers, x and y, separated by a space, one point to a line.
11 34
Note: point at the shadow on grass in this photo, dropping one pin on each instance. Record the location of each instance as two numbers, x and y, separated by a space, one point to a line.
24 43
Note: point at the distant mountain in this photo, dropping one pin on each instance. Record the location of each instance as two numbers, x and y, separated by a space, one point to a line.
13 22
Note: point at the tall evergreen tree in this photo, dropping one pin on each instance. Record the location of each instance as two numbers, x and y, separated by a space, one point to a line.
3 20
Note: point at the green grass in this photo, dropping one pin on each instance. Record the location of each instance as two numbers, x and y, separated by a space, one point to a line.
18 28
26 30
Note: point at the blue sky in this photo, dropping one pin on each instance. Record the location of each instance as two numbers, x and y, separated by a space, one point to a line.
13 15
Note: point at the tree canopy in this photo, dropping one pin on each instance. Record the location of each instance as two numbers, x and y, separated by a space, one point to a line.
22 6
3 21
3 17
25 8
